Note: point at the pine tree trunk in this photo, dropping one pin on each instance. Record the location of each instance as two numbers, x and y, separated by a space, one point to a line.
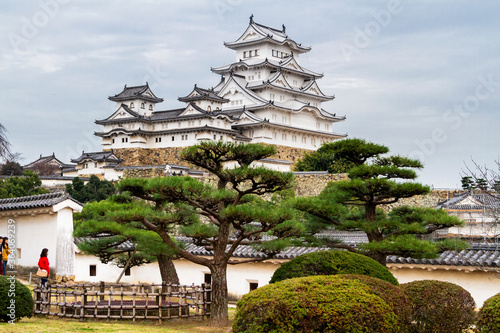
219 313
167 270
375 235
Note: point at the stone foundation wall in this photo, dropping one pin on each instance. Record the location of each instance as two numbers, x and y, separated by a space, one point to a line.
159 156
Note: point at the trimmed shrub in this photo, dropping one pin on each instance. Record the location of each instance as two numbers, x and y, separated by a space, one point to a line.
489 316
390 293
332 263
15 299
439 306
314 304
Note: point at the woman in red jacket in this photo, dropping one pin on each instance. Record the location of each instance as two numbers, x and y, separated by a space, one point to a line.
43 263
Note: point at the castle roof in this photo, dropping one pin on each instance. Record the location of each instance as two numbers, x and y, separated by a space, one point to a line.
138 92
35 201
50 159
202 94
288 64
103 156
258 33
471 201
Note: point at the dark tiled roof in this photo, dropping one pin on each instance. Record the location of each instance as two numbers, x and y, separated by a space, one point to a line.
127 245
479 255
34 201
203 94
129 93
247 251
108 156
471 201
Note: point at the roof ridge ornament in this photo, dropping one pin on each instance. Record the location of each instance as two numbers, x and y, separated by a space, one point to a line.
251 18
284 28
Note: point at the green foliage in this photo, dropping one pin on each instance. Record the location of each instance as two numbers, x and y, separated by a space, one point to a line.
94 190
390 293
339 156
314 304
27 184
332 263
17 296
11 168
489 315
376 180
107 225
439 307
218 218
467 183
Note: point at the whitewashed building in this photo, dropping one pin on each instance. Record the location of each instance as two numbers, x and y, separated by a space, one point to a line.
41 221
480 213
264 96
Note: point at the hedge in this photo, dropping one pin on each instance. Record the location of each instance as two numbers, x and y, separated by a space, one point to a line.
489 315
439 307
332 263
314 304
15 299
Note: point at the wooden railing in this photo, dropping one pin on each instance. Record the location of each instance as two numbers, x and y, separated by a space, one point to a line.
123 301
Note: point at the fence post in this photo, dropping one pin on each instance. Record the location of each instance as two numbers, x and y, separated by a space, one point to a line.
38 298
101 291
84 303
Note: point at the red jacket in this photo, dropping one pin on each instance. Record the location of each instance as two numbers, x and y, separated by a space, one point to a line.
43 263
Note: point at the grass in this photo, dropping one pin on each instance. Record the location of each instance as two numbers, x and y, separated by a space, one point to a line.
50 324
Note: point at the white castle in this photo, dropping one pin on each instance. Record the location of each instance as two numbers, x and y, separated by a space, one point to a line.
265 96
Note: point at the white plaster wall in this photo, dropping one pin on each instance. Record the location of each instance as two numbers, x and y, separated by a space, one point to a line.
238 276
65 251
32 234
481 285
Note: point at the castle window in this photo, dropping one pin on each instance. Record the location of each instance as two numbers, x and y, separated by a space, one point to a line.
173 138
112 140
245 54
124 140
215 137
221 138
143 105
250 53
150 107
95 164
253 285
93 270
256 52
132 105
158 139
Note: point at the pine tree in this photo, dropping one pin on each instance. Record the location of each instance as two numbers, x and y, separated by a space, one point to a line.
217 217
124 243
374 181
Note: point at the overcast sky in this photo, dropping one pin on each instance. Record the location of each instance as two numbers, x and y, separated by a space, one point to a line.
422 78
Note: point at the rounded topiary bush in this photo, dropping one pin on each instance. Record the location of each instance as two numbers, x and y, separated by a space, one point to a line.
15 299
314 304
390 293
332 263
439 306
489 315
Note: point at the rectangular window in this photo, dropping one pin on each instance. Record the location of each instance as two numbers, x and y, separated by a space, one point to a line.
253 285
173 138
113 141
92 270
127 271
18 253
208 278
95 164
245 54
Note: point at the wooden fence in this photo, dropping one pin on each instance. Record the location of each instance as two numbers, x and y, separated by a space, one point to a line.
123 301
